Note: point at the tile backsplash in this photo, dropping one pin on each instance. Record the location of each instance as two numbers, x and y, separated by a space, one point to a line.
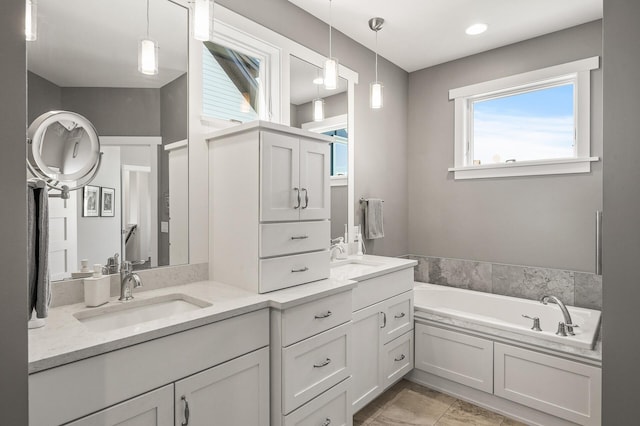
72 291
574 288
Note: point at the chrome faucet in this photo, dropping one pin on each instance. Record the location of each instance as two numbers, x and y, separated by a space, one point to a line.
565 312
127 276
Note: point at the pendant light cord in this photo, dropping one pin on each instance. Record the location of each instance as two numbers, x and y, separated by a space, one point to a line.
376 56
330 21
147 18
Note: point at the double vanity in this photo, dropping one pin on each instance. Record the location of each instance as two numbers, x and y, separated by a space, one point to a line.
285 357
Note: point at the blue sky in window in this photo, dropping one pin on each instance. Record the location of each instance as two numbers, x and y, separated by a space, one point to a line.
528 126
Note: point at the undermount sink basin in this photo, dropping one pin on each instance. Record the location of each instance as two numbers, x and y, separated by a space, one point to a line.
352 268
125 314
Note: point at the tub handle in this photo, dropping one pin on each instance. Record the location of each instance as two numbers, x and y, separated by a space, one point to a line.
536 322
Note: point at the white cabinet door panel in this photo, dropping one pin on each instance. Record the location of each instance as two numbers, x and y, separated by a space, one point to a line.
455 356
367 355
235 393
280 177
557 386
315 171
150 409
398 358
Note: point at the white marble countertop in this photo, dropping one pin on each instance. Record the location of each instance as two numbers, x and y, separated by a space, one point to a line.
65 339
360 268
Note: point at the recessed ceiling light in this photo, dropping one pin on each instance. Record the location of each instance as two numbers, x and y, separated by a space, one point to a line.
476 29
318 80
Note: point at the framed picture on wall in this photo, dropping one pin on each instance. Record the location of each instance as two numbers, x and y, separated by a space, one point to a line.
90 201
107 205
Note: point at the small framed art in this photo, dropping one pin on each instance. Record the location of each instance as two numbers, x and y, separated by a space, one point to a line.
91 201
107 204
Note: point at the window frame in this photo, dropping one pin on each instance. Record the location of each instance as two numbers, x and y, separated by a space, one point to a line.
577 72
333 123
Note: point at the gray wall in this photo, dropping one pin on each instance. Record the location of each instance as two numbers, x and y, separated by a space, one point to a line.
339 203
381 135
174 126
116 111
545 221
621 229
333 105
13 227
44 96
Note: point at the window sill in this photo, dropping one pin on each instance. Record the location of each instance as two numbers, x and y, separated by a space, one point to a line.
525 168
339 180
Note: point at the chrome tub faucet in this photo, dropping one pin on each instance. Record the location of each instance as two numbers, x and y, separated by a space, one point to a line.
565 312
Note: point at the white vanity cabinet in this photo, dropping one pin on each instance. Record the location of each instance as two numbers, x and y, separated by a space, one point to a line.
311 346
270 205
382 334
221 370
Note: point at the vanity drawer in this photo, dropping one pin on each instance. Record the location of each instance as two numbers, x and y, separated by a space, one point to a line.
398 358
399 316
309 319
277 239
287 271
315 365
331 408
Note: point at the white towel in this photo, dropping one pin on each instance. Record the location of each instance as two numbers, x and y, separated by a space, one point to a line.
373 219
38 250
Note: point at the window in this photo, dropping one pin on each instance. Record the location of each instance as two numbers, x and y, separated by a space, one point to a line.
528 124
339 152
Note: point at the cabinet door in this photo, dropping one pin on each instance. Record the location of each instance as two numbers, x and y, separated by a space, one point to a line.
150 409
280 196
398 316
315 163
235 393
367 355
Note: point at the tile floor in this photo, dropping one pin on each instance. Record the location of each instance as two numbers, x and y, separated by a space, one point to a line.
407 403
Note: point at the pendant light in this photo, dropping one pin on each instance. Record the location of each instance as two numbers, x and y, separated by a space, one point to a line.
318 103
31 20
202 19
331 64
375 94
148 53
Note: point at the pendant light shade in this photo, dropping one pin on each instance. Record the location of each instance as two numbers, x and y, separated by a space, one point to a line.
202 19
331 64
318 109
148 57
376 88
31 20
148 53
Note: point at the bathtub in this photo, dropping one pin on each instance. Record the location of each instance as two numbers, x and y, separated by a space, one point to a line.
505 313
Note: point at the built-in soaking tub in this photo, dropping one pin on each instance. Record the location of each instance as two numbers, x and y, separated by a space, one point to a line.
506 313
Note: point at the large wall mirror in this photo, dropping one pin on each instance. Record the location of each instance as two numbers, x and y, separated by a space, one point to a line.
85 60
319 110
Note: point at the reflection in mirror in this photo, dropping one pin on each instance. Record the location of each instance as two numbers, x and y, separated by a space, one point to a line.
85 60
305 87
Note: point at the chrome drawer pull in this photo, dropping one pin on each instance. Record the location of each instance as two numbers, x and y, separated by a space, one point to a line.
400 358
399 316
325 315
326 422
300 270
306 197
299 200
186 410
384 320
323 363
300 237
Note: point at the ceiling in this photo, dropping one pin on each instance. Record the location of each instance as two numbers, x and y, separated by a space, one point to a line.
94 43
421 33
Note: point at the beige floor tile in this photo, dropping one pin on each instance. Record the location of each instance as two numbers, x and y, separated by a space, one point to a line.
464 414
413 408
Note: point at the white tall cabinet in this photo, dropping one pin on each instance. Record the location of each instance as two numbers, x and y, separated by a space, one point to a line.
269 206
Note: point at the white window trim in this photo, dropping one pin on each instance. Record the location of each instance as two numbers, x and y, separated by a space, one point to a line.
336 122
578 71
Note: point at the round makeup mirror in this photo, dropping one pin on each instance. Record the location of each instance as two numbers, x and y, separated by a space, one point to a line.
64 150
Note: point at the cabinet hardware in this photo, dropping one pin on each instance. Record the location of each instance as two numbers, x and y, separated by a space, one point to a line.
300 237
384 320
399 316
400 358
326 422
325 315
300 270
186 410
298 192
306 197
323 363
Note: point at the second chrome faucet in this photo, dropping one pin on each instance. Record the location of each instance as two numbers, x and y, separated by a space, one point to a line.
128 281
568 323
